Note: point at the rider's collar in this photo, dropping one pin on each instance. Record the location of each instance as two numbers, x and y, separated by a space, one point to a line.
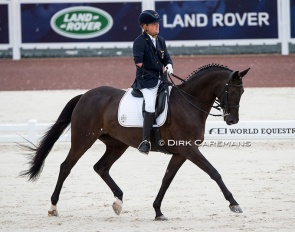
151 36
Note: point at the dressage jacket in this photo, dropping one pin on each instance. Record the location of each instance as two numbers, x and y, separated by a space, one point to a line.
153 59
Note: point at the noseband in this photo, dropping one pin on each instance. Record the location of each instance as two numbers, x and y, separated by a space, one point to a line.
223 99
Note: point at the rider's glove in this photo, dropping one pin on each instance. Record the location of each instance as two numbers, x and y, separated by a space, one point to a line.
169 69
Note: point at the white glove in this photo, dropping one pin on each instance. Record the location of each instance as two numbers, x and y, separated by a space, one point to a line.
169 69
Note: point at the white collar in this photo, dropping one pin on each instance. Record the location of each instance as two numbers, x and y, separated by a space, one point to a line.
153 40
151 37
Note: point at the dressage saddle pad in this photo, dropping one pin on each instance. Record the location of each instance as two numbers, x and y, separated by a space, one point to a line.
130 111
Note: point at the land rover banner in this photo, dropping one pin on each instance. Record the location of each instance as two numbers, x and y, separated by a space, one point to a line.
292 19
79 22
4 33
218 19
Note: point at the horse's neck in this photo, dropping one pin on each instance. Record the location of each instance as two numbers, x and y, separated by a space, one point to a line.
202 86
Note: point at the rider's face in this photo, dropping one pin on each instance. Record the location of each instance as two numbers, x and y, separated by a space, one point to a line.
152 28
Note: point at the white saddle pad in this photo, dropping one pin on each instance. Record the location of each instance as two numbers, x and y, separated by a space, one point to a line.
130 111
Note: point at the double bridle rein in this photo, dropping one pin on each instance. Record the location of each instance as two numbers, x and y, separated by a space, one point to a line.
221 102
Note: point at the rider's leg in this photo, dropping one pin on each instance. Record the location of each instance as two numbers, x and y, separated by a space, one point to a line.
149 116
148 121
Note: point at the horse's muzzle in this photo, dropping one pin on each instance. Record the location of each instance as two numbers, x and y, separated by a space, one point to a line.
230 119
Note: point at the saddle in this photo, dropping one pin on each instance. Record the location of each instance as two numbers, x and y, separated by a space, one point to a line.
162 95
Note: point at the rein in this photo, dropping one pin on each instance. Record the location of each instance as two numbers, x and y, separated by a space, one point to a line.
181 92
219 101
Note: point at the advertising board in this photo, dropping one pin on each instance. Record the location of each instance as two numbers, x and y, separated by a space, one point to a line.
79 22
219 19
251 130
4 32
292 18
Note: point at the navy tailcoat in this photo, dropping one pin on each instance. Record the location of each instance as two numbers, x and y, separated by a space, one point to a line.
153 59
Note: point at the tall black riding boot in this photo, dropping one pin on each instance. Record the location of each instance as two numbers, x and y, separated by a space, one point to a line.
148 121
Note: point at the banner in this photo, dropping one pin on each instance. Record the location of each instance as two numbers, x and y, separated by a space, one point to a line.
292 16
218 19
251 130
4 32
80 22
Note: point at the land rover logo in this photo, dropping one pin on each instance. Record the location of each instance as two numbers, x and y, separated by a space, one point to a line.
81 22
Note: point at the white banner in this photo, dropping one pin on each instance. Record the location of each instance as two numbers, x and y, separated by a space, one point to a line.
215 130
251 130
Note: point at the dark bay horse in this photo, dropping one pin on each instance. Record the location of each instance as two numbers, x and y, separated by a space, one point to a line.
93 116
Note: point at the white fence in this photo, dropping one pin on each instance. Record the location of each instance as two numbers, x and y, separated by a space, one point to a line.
215 130
24 132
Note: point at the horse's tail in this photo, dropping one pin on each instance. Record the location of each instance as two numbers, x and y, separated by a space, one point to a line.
40 152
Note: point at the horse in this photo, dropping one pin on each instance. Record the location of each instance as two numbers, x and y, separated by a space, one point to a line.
93 116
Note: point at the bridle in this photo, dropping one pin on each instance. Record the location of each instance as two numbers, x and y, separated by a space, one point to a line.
221 102
223 99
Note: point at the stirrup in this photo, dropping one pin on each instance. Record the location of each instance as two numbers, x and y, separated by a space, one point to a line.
144 147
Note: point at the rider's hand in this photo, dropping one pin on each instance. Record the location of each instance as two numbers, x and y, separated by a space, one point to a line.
169 69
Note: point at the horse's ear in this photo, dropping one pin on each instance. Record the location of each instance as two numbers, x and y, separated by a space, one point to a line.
236 75
243 73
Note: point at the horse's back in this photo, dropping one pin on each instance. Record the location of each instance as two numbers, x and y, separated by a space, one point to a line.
101 94
105 90
98 100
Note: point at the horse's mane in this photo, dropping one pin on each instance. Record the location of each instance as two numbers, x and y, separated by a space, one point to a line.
207 67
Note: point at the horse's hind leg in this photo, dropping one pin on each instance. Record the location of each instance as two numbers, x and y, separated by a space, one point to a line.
173 166
114 150
78 148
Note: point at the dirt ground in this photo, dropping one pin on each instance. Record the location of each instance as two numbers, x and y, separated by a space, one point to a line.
261 177
87 73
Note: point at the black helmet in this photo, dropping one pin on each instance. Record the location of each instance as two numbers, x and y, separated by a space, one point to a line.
148 16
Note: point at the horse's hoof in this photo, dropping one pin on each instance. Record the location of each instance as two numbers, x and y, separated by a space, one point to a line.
52 213
161 218
236 209
117 206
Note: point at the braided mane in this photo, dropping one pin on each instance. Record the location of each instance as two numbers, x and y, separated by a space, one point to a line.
207 67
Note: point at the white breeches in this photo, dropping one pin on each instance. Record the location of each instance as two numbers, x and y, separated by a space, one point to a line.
150 96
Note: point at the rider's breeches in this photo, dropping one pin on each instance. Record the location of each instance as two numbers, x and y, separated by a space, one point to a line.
150 96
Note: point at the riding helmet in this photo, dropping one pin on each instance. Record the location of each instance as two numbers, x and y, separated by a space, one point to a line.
148 16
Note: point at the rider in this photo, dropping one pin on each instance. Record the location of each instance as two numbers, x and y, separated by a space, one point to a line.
150 56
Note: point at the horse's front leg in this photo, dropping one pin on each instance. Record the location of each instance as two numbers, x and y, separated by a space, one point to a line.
197 158
173 166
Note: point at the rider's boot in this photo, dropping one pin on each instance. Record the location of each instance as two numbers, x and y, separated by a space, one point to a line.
148 121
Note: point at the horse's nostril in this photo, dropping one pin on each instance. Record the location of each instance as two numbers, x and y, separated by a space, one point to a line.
232 121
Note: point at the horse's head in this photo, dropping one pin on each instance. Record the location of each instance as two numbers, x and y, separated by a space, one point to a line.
231 95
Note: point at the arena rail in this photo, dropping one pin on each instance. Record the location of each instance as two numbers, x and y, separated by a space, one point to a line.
215 130
31 131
